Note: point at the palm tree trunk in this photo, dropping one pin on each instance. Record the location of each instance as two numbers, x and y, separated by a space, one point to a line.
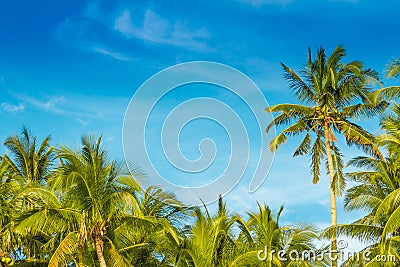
332 191
99 250
81 254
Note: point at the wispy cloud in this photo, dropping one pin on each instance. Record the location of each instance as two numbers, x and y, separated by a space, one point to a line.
112 54
258 3
345 1
158 30
81 33
12 108
84 123
80 107
50 103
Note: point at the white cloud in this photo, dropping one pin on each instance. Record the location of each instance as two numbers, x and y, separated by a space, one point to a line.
114 55
84 123
158 30
345 1
80 107
12 108
52 102
79 32
258 3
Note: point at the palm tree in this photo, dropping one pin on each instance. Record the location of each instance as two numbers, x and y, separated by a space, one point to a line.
210 241
8 188
226 240
101 191
27 164
391 125
28 161
93 210
376 189
48 224
332 93
281 246
390 92
164 237
393 69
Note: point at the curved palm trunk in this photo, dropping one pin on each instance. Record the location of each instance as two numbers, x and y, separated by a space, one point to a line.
99 250
332 190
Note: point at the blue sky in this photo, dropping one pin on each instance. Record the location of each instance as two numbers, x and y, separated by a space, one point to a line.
71 67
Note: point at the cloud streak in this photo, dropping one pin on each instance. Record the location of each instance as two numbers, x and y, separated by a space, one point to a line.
112 54
258 3
79 32
79 106
12 108
157 30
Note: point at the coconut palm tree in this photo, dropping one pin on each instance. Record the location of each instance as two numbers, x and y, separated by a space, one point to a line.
164 238
210 241
8 188
92 211
332 94
28 160
103 193
375 191
226 240
275 245
48 224
393 68
119 219
28 164
391 137
390 92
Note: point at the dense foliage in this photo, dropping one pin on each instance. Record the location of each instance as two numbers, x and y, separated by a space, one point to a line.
66 207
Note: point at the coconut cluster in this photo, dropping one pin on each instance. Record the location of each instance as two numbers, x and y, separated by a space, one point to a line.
7 260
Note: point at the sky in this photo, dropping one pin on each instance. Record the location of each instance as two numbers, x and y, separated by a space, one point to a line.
71 67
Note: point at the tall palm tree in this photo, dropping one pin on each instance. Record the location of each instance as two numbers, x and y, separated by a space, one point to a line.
375 191
101 191
332 94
